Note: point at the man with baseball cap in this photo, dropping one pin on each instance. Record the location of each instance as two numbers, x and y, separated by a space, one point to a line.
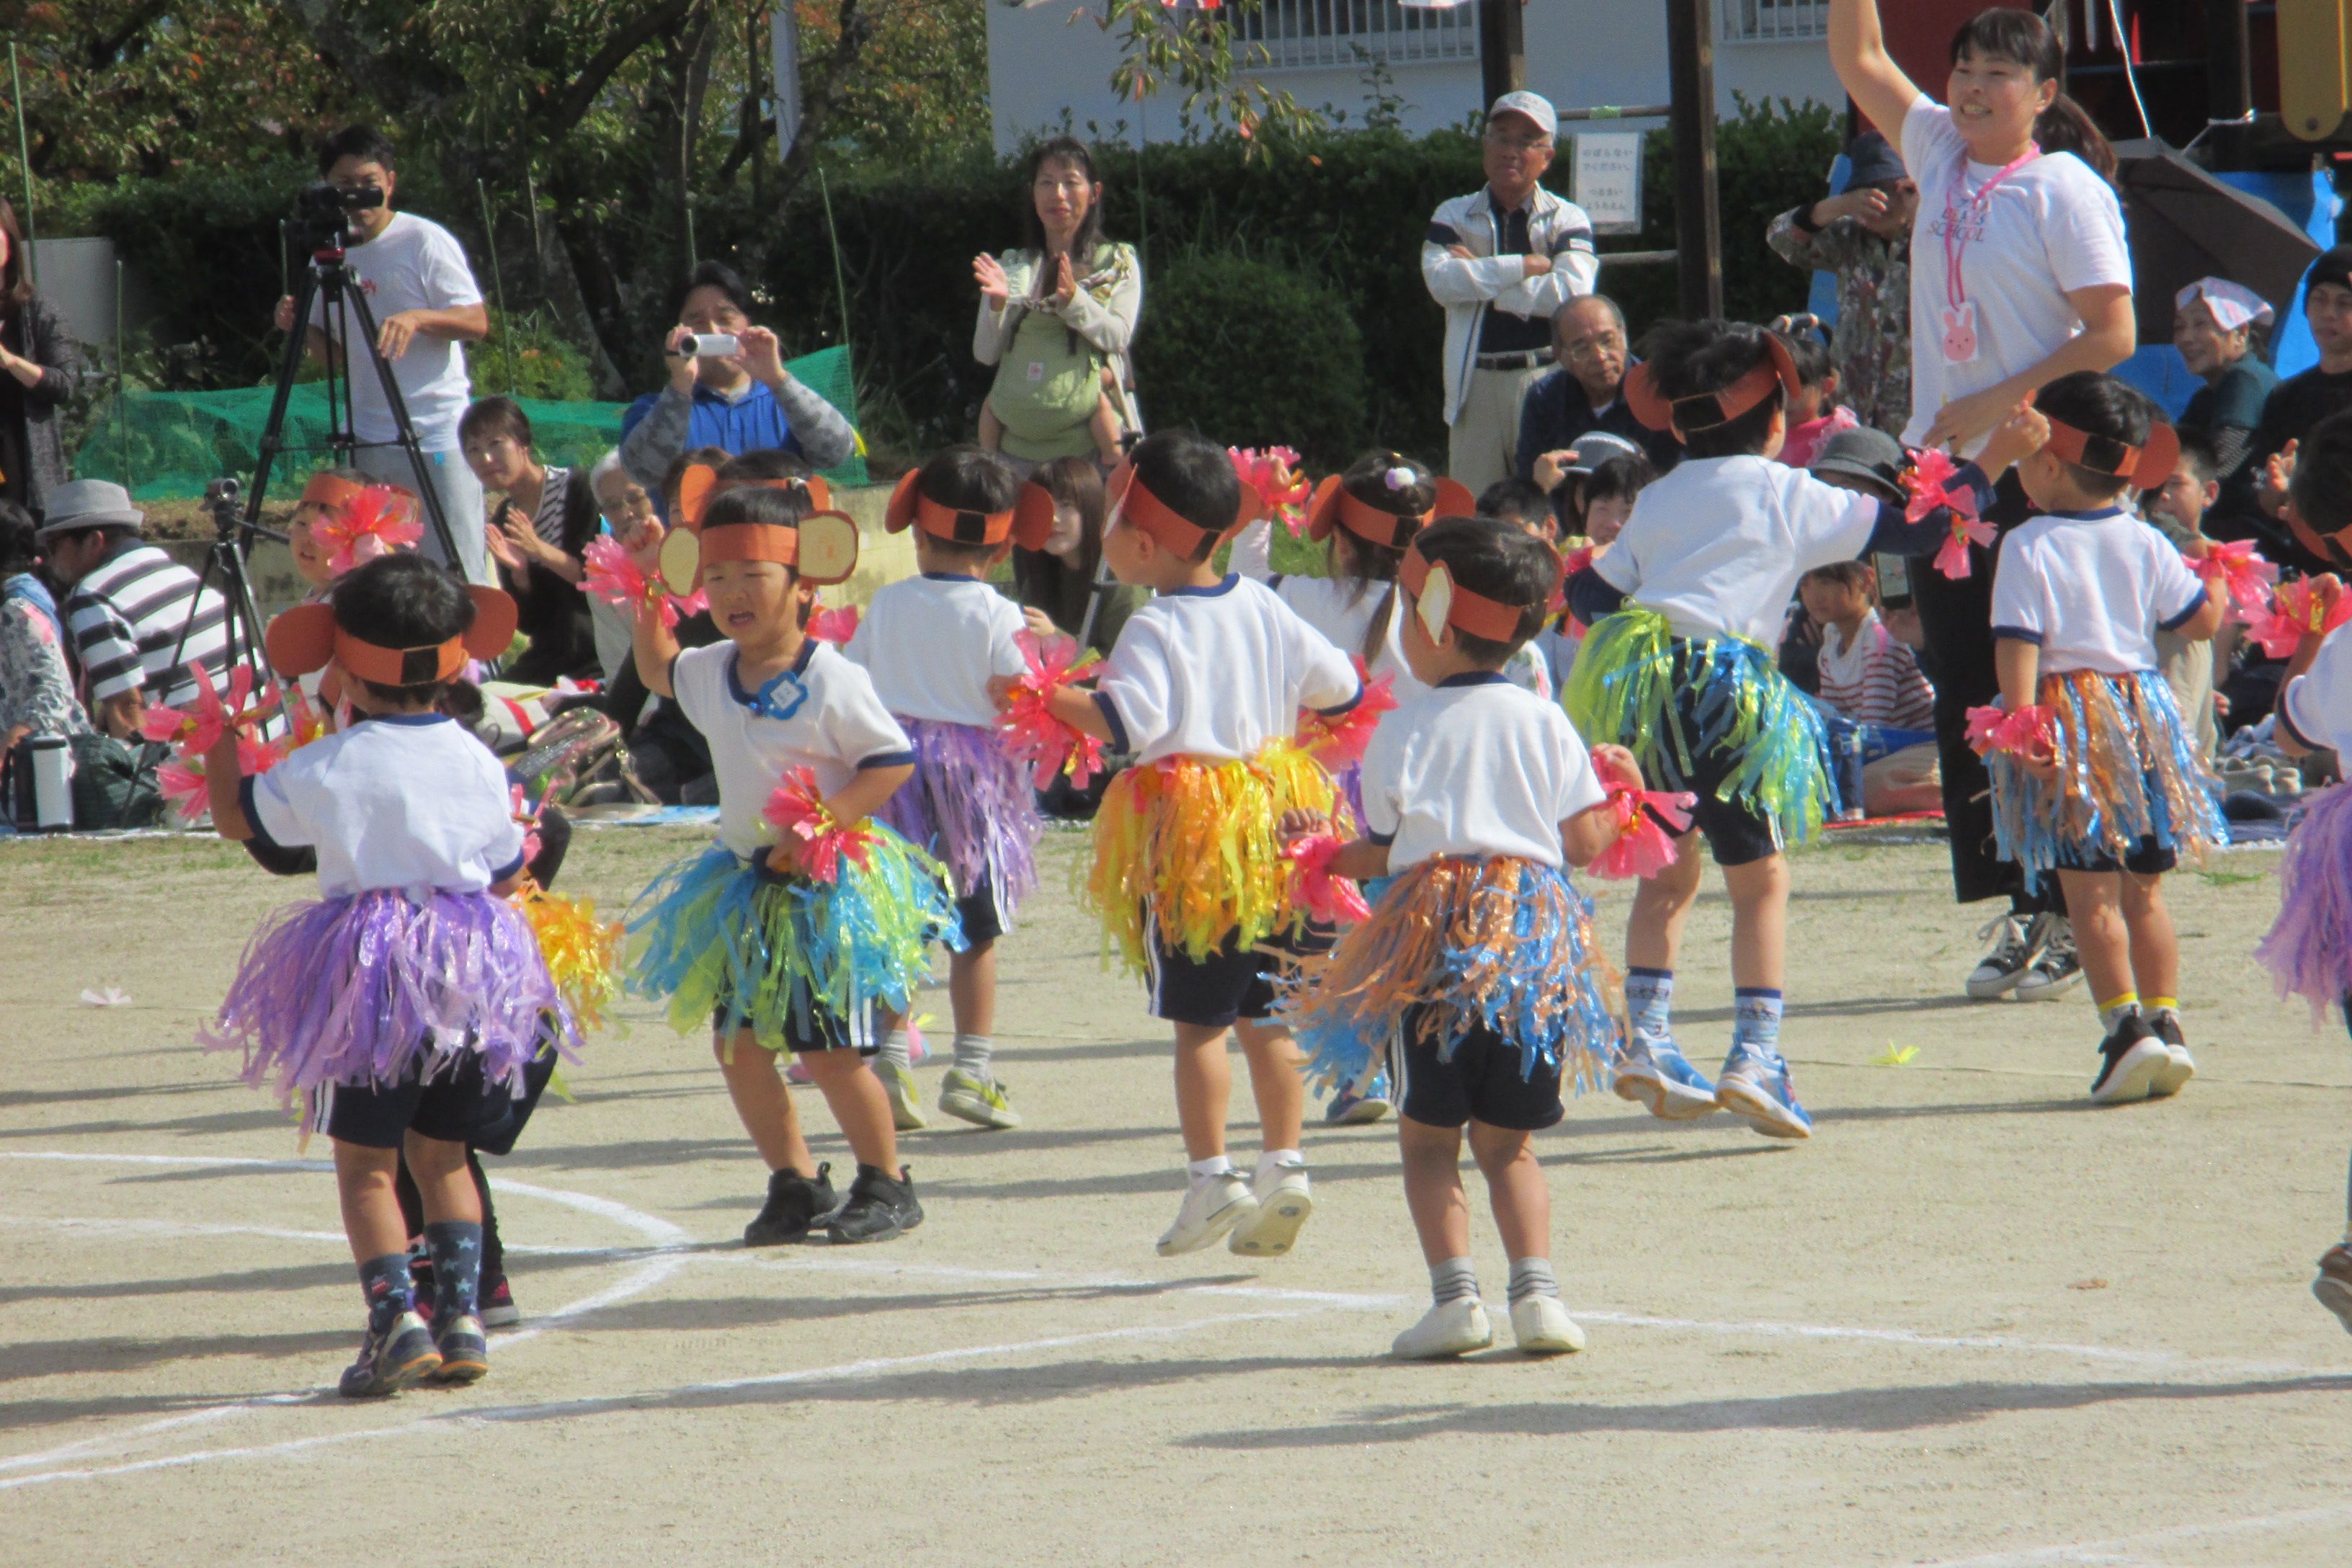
127 607
1502 261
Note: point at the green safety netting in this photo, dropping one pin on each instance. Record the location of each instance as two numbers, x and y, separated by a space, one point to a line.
168 446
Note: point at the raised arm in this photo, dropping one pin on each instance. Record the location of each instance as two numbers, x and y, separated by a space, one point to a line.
1872 78
654 649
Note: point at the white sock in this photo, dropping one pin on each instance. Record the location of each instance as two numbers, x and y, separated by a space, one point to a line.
1275 1159
973 1052
894 1048
1214 1165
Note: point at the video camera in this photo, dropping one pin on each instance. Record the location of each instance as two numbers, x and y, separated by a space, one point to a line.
322 214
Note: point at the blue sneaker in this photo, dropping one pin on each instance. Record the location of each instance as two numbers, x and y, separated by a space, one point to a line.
1351 1110
1755 1084
1653 1074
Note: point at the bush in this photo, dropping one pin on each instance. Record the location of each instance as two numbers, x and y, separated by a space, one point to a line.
1252 355
545 365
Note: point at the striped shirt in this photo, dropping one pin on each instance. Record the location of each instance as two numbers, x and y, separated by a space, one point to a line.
1876 679
126 619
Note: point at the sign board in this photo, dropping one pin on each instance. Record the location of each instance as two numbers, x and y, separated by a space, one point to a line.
1609 179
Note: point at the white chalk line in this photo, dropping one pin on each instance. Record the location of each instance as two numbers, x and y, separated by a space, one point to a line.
2127 1549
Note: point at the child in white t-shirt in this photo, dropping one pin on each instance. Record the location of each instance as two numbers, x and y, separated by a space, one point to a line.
1682 609
1478 974
805 918
2107 787
404 1006
931 644
1204 687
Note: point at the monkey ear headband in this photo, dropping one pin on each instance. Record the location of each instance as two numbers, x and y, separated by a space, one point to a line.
2146 466
1705 410
1439 603
1170 530
306 638
1028 524
822 549
1335 506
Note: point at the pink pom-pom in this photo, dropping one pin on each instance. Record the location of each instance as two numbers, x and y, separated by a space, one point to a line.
1649 822
614 576
1031 731
1273 473
184 787
835 627
801 818
1336 740
1929 482
2293 614
2031 731
2236 575
1325 896
1952 560
379 520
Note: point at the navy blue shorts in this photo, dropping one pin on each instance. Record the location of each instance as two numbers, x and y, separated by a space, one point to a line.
1228 985
815 1029
2145 858
977 910
459 1107
1481 1083
1737 834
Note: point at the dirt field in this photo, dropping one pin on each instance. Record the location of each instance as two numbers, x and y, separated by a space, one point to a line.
1974 1321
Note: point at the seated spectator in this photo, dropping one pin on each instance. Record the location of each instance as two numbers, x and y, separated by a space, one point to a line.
1869 460
135 618
542 521
2253 501
37 695
741 401
2216 325
2177 509
1863 236
1560 475
1057 584
306 539
1870 678
1586 392
1814 413
627 510
1596 504
1522 502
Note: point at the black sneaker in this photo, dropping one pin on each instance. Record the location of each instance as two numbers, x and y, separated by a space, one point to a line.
880 1207
401 1357
795 1206
499 1309
2130 1059
420 1280
2180 1067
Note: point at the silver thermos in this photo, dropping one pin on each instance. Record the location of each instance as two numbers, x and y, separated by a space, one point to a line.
52 793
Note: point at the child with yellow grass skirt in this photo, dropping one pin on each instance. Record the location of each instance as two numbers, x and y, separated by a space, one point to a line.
2094 775
1478 978
1204 687
805 917
1683 610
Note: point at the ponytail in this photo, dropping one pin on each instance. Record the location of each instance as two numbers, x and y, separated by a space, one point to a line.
2067 127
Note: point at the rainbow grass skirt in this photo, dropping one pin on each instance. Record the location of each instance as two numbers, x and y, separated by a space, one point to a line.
714 933
1191 843
2126 772
1500 944
1625 688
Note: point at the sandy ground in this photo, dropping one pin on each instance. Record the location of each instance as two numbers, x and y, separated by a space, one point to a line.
1973 1320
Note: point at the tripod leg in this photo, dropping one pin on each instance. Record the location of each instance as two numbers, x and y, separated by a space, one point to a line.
428 493
290 369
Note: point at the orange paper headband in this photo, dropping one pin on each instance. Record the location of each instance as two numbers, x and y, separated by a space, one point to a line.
325 489
1705 410
1130 497
1442 601
1028 524
306 638
2147 465
1335 506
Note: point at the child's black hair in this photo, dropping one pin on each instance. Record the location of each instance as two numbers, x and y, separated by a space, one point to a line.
19 545
758 503
1502 562
1361 562
972 479
1612 479
1811 355
1692 359
713 457
1515 500
763 463
2204 458
2020 37
2097 404
2321 489
1194 478
402 601
1859 575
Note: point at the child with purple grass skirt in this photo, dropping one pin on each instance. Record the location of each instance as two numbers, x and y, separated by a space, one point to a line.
931 644
404 1006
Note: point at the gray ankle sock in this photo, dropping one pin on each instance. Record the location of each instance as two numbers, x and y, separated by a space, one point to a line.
894 1048
973 1052
1532 1277
1455 1280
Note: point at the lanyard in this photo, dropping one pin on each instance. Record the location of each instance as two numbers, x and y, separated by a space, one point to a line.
1956 245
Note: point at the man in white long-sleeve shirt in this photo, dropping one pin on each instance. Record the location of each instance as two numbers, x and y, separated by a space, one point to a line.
1501 261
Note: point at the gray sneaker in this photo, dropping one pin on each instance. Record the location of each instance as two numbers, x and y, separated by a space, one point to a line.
2056 968
2333 1286
2014 946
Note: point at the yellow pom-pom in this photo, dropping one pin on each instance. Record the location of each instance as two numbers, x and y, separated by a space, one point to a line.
583 953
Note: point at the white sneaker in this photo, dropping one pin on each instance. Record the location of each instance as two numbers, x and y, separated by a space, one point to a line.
1284 1203
2057 968
2015 945
1211 1207
1542 1327
2170 1078
1448 1329
905 1104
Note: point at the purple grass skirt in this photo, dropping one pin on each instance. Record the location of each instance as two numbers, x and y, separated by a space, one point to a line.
971 804
375 988
2309 949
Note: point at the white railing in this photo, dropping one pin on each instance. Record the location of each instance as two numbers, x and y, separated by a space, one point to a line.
1774 21
1306 33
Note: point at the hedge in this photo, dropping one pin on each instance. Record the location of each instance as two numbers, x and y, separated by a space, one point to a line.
1338 219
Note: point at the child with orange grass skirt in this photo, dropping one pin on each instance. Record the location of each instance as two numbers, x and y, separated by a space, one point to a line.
1204 687
2095 776
1477 977
805 917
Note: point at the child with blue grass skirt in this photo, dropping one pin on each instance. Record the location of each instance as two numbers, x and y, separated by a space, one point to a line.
1476 977
406 1007
2094 777
806 918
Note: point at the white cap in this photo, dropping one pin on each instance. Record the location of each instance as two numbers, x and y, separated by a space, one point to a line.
1534 105
2232 304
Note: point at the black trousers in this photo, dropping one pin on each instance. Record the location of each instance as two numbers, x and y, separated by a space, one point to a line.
1956 616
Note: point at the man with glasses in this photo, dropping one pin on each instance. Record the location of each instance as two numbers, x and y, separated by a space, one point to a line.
1585 395
1502 261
